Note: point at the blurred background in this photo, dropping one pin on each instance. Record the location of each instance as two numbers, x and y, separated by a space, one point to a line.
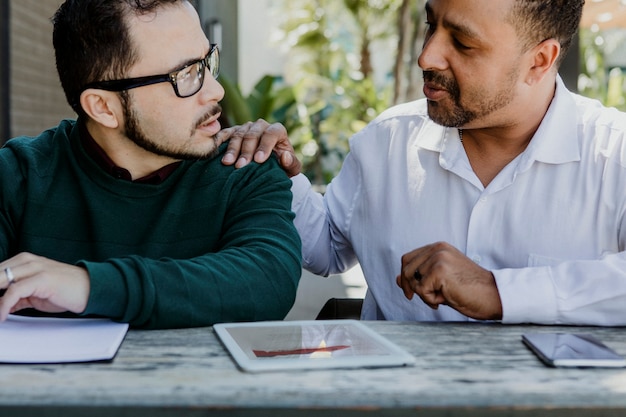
323 68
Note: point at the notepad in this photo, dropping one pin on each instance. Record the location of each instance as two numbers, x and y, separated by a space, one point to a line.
59 340
309 344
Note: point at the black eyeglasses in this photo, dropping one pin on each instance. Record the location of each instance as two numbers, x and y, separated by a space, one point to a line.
186 81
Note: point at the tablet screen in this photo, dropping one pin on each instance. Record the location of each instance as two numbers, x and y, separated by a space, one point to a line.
281 345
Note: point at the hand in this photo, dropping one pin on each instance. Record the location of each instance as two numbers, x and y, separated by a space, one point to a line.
42 284
446 276
260 138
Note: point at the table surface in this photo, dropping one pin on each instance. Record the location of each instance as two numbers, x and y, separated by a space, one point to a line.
465 369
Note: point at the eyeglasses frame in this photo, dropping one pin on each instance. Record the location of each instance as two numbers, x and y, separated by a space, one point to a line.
129 83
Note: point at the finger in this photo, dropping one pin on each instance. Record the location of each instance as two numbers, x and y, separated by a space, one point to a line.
252 139
273 138
12 297
410 264
7 277
417 275
224 134
290 163
429 287
410 261
432 298
411 270
406 288
232 151
235 135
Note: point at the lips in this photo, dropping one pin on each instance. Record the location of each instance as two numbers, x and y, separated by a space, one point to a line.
212 119
212 125
434 92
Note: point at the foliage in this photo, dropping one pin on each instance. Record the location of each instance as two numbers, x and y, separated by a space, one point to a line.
268 100
332 75
348 60
599 78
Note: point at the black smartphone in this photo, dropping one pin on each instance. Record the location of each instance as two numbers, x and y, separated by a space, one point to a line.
572 350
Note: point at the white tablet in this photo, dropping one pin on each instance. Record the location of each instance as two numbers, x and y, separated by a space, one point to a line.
308 344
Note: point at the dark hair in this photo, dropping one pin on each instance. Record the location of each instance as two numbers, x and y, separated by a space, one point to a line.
92 41
538 20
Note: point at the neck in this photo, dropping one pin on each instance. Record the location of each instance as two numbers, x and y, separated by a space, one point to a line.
124 153
490 152
490 149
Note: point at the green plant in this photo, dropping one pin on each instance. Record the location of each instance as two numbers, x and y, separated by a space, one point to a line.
332 84
337 89
598 79
268 100
347 61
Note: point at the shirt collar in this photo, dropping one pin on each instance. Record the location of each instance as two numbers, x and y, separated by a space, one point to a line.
554 142
98 154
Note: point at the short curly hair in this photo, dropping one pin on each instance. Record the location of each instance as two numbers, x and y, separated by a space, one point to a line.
538 20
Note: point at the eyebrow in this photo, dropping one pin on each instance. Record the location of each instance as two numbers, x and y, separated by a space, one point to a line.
455 27
185 64
190 61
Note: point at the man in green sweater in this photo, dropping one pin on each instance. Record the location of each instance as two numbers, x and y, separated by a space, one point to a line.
128 212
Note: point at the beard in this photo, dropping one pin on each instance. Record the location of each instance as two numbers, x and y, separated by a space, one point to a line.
135 133
455 113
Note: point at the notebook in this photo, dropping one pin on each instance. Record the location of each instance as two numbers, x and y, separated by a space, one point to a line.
59 340
308 344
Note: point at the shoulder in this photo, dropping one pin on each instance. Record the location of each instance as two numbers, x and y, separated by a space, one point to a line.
399 126
212 171
602 128
415 111
36 153
592 113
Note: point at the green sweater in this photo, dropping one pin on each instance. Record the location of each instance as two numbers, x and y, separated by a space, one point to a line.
210 244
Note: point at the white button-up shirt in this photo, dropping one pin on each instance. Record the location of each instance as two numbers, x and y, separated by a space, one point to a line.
551 226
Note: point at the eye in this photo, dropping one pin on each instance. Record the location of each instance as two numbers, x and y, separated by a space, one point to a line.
185 74
460 45
429 29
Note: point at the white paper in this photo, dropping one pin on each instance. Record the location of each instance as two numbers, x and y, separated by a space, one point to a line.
56 340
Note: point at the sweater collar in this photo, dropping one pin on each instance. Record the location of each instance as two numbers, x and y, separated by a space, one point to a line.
103 160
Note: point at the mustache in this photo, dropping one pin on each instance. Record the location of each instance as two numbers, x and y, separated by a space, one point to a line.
211 113
439 79
442 82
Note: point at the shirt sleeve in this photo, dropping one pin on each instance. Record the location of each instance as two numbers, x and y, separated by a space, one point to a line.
591 292
254 276
323 222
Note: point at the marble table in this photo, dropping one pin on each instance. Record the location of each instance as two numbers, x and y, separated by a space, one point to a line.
468 369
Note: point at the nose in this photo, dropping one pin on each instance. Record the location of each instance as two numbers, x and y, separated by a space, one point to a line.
211 90
433 55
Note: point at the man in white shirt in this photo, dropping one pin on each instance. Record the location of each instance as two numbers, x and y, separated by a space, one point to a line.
512 189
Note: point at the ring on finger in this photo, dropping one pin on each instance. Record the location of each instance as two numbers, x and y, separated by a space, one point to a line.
10 276
417 275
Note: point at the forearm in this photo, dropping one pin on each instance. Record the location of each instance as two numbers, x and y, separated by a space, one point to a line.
250 273
574 292
324 252
244 284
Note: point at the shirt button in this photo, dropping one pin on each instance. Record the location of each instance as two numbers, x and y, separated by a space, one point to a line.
476 259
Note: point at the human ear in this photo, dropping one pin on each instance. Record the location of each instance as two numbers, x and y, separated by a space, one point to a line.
102 106
543 60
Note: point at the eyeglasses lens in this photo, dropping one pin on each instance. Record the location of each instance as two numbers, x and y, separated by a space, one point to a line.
213 62
189 80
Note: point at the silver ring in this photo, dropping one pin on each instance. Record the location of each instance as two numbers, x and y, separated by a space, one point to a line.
10 276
